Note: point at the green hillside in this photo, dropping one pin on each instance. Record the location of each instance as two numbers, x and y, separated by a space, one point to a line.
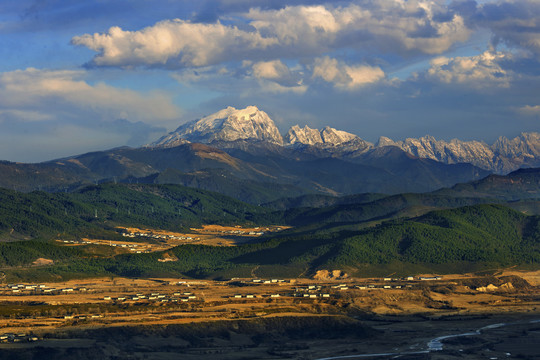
374 233
224 182
98 209
320 201
402 205
481 235
486 233
166 206
518 185
39 214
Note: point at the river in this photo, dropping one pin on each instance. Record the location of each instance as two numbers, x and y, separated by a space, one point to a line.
435 344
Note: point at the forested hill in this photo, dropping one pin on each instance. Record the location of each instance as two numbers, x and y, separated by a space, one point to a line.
462 239
95 209
490 233
474 234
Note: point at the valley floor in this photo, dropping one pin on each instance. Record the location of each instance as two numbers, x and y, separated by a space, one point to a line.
272 318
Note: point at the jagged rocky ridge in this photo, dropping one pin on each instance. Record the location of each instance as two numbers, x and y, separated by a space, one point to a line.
327 136
232 127
503 156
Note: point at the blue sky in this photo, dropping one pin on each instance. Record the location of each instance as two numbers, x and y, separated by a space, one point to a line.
78 76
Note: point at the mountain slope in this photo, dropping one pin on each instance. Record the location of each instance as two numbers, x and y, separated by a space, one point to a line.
476 233
520 184
96 209
294 170
401 205
224 182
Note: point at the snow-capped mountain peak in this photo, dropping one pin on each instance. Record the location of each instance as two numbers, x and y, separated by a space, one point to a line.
229 124
309 136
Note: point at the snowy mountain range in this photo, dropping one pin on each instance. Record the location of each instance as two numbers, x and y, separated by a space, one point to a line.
241 153
232 125
504 156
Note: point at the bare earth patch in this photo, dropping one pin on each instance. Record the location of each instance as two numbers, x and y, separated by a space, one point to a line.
42 262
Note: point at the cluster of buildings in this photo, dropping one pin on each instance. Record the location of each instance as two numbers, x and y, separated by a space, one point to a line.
244 232
411 278
33 289
15 338
269 281
157 236
81 317
136 248
80 242
155 297
314 291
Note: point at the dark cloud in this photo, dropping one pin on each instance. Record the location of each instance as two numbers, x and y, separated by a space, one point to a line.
515 23
425 31
466 8
75 15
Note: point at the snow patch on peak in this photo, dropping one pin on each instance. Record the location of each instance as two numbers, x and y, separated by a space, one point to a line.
385 141
168 141
305 135
336 137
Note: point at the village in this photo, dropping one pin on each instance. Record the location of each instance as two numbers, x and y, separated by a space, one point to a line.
295 287
143 241
164 297
43 307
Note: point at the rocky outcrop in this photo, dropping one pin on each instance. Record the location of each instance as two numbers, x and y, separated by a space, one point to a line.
330 275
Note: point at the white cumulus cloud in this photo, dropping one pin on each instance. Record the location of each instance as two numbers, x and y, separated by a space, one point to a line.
392 26
277 72
344 76
173 43
274 70
476 71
